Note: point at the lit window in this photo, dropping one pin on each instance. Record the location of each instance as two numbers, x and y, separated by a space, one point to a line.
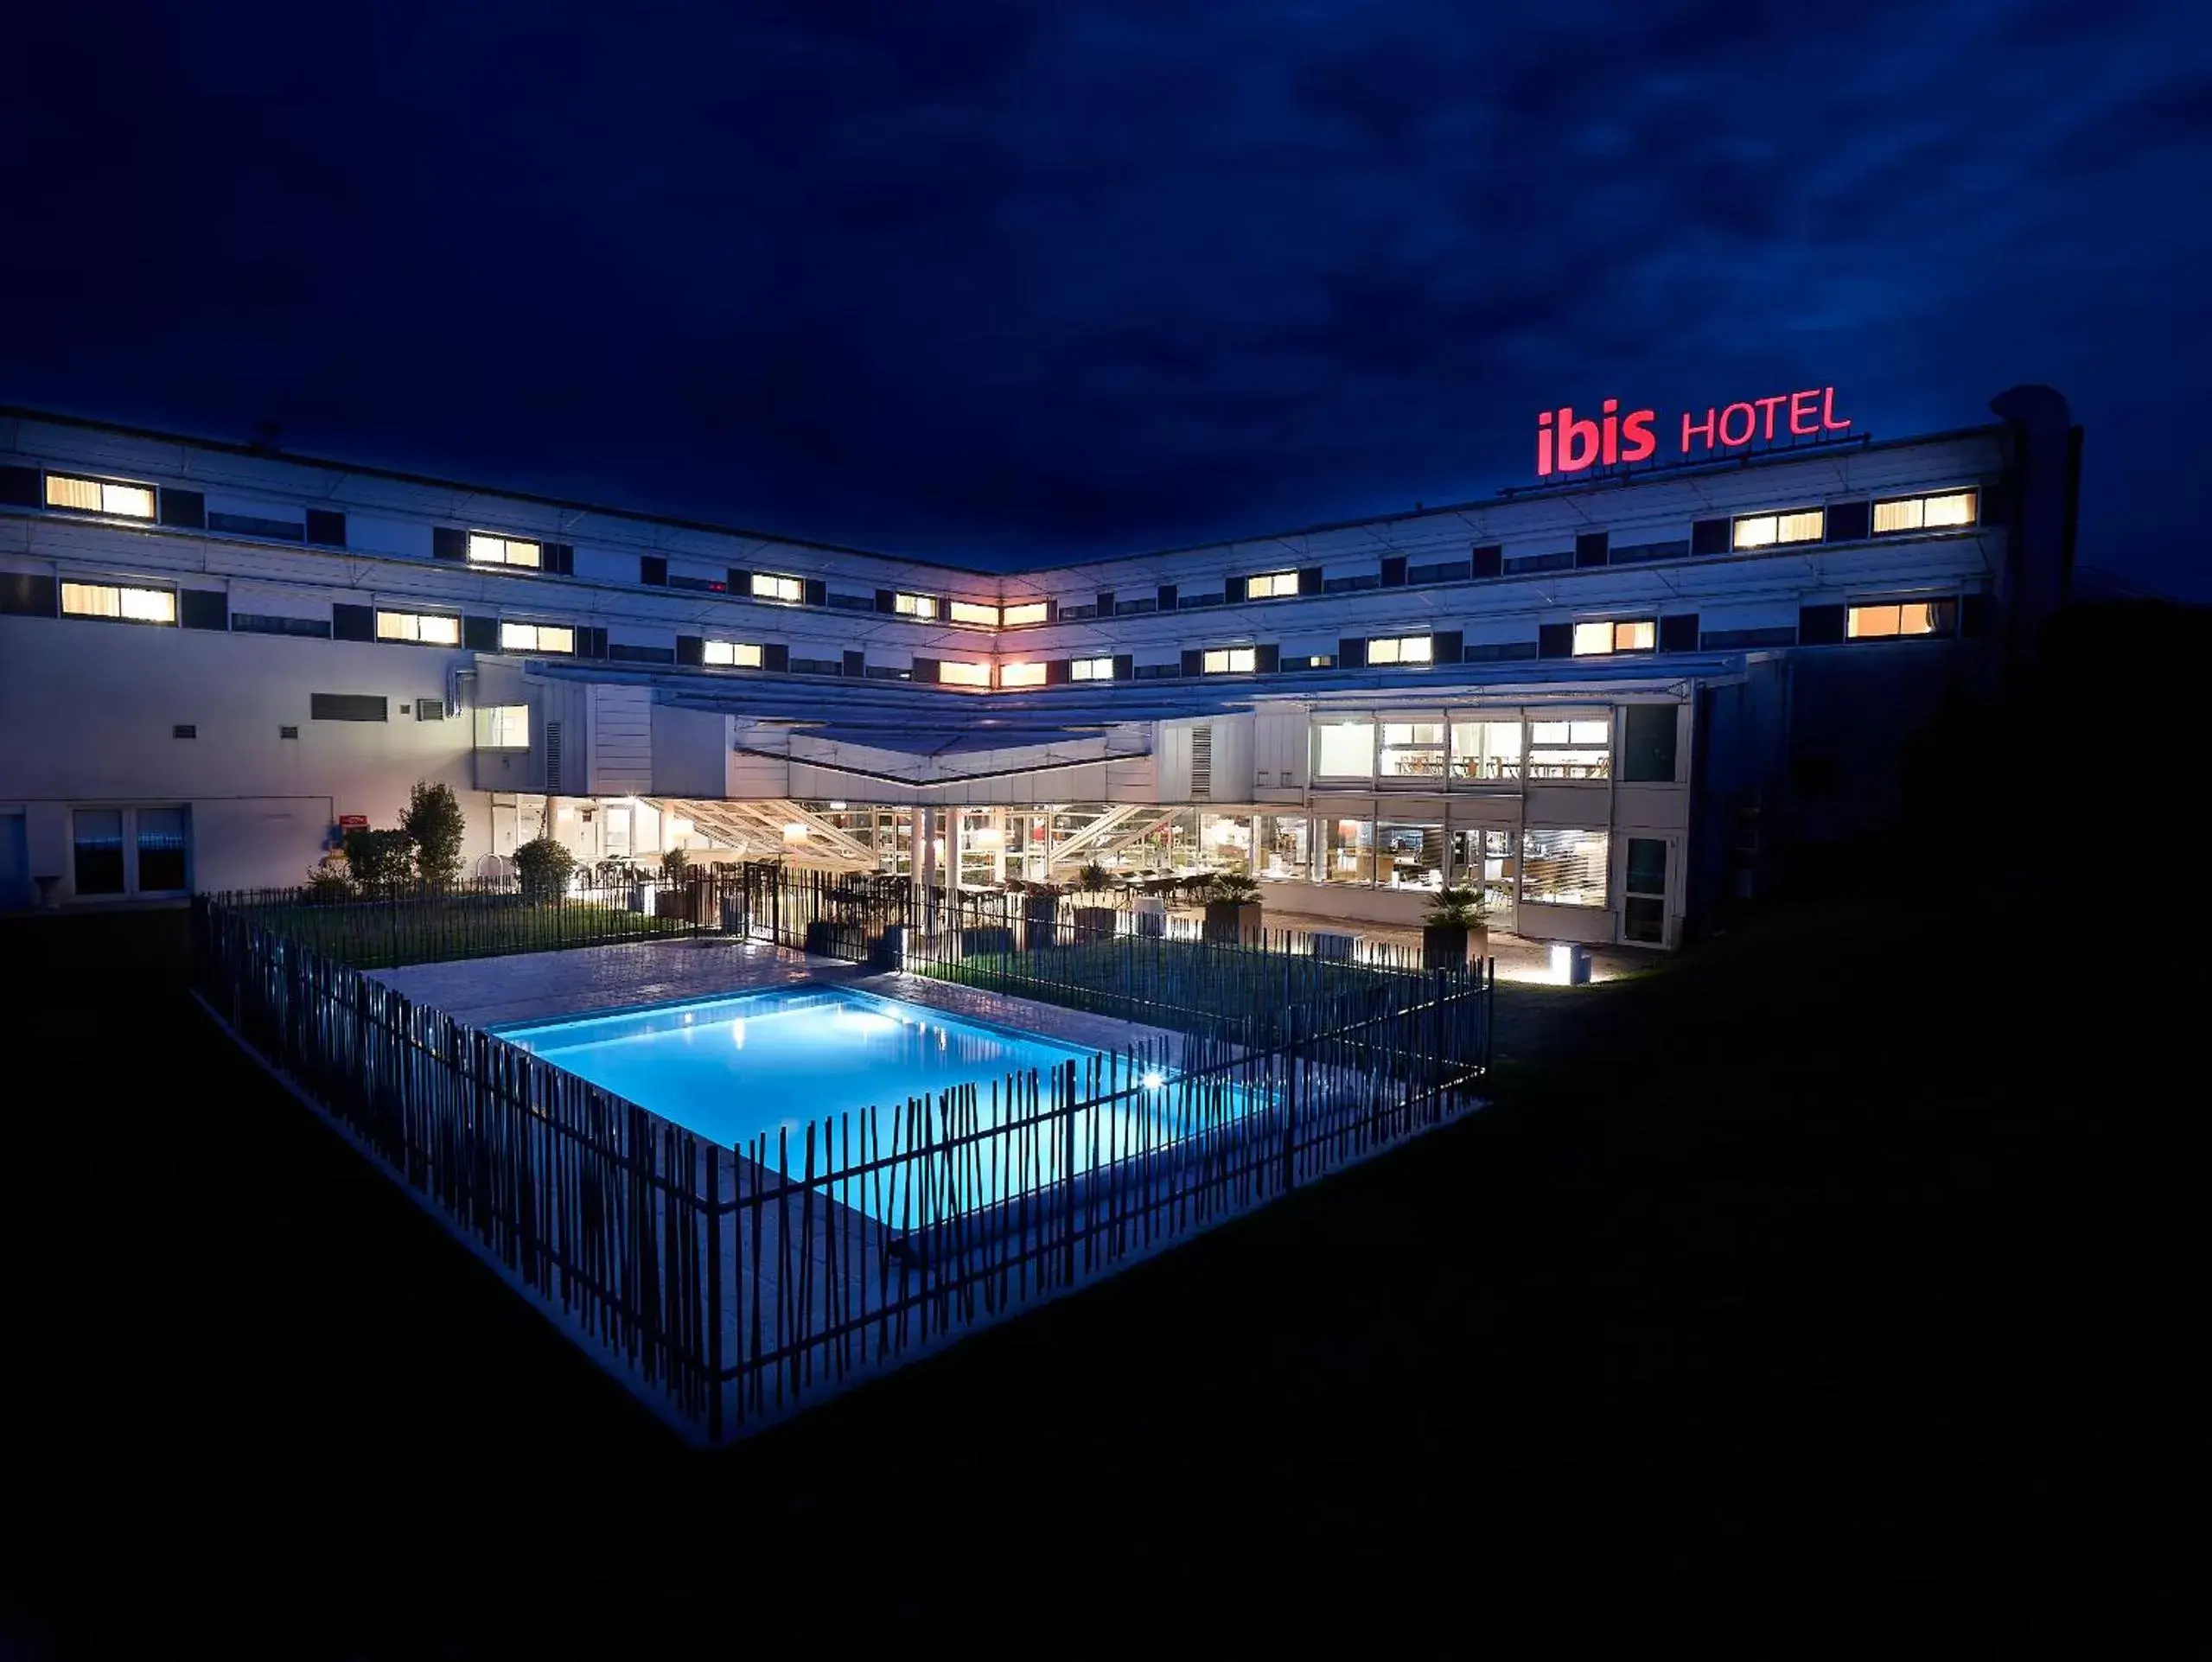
1596 640
536 638
729 655
1230 660
968 611
1571 749
1924 512
1888 623
1344 749
963 675
915 605
110 600
503 727
1763 530
1030 611
1271 585
99 496
1091 669
1399 649
1412 749
431 630
504 550
767 585
1563 868
1021 675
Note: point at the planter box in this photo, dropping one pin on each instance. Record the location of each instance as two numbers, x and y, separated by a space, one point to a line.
1040 922
1237 924
1449 947
1150 914
1337 947
1094 922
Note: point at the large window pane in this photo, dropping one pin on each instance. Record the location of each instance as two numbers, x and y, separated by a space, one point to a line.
1344 751
98 835
1350 853
1648 744
162 850
1486 750
1570 748
1286 846
1563 868
1412 749
1412 854
1225 842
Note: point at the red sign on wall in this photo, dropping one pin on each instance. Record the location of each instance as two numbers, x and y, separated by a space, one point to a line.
352 821
1568 444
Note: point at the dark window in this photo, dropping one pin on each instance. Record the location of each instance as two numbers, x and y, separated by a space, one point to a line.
1590 548
1738 640
325 528
252 524
1232 590
19 488
621 653
430 709
1708 537
162 850
815 591
184 730
99 850
1193 603
1638 553
776 658
1392 574
856 664
559 558
1167 597
203 608
1849 522
481 634
1488 559
448 543
1444 646
1450 571
186 510
1494 652
1643 915
1352 652
262 623
1679 633
652 569
690 649
22 594
1351 585
1522 564
1105 603
1647 745
353 622
1130 607
347 707
1819 626
1310 580
1555 640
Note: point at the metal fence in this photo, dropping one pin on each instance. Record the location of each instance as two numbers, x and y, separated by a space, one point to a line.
730 1285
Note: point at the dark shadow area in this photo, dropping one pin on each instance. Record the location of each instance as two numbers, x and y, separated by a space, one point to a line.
1835 1275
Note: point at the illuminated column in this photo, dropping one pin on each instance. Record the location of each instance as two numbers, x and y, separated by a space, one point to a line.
925 865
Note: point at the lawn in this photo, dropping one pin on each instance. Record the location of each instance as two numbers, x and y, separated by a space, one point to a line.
1829 1277
377 935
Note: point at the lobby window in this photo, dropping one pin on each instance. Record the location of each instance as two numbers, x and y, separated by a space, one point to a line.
769 585
1030 611
1765 530
1348 851
536 638
486 550
1486 750
120 601
425 627
1571 749
503 727
1021 675
1229 660
1902 619
1400 649
729 655
1598 639
99 496
922 605
1091 669
954 673
1412 749
1946 512
1563 868
968 611
1271 585
1343 749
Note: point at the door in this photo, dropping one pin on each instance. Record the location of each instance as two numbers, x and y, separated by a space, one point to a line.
16 887
1643 890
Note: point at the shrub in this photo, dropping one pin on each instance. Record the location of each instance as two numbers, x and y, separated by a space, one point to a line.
675 865
379 859
1094 878
328 886
1232 888
434 821
1455 909
544 866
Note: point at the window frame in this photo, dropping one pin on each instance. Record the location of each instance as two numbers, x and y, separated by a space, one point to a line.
921 608
979 616
506 545
1033 673
118 589
773 594
1042 609
972 674
1605 838
1440 748
106 484
1919 527
418 619
1736 545
1274 580
537 628
1613 626
735 649
488 720
1398 643
1569 752
1076 666
1319 725
1945 624
1228 665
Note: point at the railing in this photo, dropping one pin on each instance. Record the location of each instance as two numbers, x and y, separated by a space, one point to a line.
733 1285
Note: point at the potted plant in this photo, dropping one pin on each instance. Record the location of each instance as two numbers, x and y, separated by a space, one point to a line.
1453 932
1232 909
1095 921
1041 914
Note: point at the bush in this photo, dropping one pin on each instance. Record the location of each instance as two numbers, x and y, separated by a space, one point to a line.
1232 888
380 859
328 886
434 821
1093 879
1455 909
675 865
544 866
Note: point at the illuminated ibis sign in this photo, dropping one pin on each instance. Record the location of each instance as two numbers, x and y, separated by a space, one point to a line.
1568 444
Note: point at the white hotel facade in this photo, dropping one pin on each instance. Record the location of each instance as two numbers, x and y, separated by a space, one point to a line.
1613 701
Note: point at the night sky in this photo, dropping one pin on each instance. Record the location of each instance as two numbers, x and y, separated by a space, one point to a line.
1009 284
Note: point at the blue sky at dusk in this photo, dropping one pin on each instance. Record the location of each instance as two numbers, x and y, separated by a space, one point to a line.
1008 285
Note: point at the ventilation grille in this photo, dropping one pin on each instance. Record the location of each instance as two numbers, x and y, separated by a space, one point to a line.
347 707
553 758
1201 763
430 709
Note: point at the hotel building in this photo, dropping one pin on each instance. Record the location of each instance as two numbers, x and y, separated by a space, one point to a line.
1613 699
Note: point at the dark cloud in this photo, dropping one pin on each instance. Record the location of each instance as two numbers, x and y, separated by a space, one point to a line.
1010 283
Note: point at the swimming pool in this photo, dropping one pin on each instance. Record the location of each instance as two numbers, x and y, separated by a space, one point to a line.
736 1068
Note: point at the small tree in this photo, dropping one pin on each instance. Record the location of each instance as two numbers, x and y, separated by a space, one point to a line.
542 865
379 859
1232 888
675 865
1094 878
434 821
1455 909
